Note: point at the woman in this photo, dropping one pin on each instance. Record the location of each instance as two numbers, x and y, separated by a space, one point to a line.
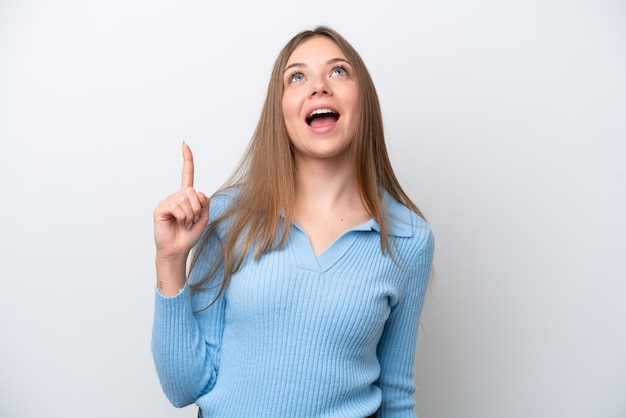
309 271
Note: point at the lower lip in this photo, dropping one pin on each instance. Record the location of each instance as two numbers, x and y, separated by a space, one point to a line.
323 129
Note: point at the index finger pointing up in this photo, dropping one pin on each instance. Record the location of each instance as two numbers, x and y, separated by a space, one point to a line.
187 180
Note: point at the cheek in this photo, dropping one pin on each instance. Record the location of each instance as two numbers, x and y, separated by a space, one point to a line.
290 115
355 99
289 108
355 109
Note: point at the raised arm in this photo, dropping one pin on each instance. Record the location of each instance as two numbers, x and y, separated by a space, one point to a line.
179 221
185 349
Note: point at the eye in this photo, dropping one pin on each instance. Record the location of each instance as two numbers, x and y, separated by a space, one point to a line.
340 71
294 77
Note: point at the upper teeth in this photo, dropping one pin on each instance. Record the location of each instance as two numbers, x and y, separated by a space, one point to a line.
321 111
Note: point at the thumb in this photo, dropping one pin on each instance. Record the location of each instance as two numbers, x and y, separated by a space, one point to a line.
204 200
204 204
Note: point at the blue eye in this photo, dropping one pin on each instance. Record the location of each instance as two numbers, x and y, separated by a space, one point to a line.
295 77
339 71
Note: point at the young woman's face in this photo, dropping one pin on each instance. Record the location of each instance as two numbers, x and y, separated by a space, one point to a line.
320 100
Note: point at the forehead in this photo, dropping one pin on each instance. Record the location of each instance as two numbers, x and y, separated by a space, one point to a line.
319 48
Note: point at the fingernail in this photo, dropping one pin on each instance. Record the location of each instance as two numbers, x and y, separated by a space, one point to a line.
189 225
196 218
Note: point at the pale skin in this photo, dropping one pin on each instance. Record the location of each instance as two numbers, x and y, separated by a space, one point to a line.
327 201
178 224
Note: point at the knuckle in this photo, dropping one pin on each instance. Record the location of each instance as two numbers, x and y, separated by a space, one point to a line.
190 192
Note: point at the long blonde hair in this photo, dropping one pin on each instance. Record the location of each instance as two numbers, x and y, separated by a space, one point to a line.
265 177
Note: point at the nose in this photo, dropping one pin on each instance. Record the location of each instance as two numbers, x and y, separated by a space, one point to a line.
320 87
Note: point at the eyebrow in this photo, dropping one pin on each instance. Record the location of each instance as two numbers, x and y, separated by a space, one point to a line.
331 61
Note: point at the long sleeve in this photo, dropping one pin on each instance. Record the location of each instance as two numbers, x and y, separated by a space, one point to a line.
186 338
186 358
396 350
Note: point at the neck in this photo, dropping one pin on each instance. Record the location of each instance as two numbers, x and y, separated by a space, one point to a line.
326 184
327 200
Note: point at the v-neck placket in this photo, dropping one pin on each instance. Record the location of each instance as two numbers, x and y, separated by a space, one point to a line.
321 263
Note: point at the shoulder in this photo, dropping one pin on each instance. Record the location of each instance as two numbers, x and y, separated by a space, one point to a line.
223 200
221 208
404 223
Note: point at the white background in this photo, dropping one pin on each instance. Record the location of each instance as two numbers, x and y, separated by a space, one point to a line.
506 123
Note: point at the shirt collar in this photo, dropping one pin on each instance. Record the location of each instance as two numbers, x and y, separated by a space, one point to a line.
399 218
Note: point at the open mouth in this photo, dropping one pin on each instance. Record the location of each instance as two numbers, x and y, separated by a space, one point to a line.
322 117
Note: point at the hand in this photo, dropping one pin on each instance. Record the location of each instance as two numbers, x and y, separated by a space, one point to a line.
180 219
